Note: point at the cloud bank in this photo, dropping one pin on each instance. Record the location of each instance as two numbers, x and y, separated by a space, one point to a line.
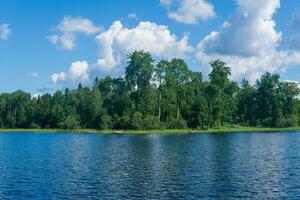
118 41
249 42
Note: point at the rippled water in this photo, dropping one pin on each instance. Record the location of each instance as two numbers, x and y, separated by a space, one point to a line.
87 166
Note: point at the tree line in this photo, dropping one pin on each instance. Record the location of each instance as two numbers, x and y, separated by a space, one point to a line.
166 95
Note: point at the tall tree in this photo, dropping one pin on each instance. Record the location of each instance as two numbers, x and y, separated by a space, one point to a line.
138 75
268 99
219 83
246 104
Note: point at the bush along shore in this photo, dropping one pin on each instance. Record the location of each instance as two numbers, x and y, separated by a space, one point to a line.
221 130
164 96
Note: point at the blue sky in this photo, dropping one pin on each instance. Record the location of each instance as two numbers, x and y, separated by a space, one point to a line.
52 44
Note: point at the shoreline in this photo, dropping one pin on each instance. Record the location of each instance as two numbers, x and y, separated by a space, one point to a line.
145 132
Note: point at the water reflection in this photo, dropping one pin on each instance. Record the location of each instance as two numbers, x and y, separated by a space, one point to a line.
56 166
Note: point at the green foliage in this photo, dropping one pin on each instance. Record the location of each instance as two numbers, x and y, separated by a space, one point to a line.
268 98
106 123
124 122
246 104
136 121
138 75
34 126
152 123
288 121
158 96
71 122
220 73
176 124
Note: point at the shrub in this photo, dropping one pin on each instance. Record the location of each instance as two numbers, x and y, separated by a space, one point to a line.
136 121
106 122
34 126
176 124
122 122
288 121
267 122
152 123
71 122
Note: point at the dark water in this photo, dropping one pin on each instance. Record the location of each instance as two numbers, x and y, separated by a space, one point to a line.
70 166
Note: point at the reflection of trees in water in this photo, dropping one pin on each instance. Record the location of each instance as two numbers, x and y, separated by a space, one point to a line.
219 174
156 168
246 165
187 166
224 166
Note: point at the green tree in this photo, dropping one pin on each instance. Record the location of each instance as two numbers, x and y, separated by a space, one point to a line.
246 104
138 75
71 122
165 95
219 93
268 99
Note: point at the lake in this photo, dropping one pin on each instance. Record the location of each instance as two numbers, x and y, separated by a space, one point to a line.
90 166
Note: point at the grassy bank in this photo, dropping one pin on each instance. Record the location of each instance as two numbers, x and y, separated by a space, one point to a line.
229 129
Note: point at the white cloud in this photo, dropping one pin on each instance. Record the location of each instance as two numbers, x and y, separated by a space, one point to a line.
118 41
33 75
37 95
69 27
248 41
5 31
78 73
65 41
58 77
249 32
189 11
78 25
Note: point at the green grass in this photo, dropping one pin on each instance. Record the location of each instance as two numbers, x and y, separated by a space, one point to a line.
226 129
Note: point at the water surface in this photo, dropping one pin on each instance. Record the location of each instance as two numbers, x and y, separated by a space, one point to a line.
90 166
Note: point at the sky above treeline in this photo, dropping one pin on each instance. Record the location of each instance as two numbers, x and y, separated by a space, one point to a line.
52 44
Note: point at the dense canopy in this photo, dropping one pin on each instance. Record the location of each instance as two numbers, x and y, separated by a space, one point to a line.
166 95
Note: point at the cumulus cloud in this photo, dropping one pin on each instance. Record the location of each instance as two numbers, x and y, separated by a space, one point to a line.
118 41
68 29
189 11
58 77
5 31
248 41
78 73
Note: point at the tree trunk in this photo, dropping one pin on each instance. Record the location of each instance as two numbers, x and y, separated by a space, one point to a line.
159 106
177 105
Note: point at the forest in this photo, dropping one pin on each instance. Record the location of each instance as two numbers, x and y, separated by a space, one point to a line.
163 95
